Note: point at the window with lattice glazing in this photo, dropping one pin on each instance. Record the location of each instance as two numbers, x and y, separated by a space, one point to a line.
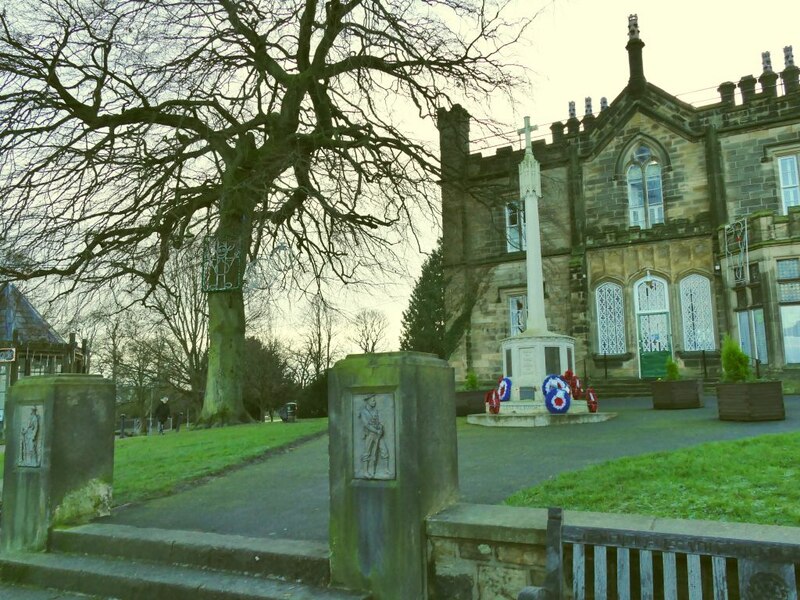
789 299
610 319
697 313
645 192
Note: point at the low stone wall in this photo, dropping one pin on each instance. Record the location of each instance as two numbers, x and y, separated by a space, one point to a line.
485 551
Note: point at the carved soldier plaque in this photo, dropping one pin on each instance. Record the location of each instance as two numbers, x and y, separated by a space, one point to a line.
30 436
374 436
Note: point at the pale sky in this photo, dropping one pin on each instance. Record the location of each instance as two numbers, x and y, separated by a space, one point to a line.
576 48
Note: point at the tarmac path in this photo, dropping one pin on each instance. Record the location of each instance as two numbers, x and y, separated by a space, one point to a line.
286 495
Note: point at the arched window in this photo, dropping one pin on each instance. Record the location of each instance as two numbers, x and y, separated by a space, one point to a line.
610 319
698 320
645 195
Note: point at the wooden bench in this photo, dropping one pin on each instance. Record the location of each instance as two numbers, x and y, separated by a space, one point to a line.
653 565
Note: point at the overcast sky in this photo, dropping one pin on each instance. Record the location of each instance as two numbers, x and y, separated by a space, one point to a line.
576 48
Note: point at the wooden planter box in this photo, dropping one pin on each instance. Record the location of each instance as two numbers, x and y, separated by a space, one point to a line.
677 394
751 401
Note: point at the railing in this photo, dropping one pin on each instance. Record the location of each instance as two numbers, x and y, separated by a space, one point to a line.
624 564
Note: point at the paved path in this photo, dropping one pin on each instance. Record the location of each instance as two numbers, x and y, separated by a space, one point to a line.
287 495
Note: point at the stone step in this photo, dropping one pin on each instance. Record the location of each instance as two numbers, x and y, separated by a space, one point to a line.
127 579
24 592
291 560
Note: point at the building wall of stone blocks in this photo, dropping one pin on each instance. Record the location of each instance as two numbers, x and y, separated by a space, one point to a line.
751 175
717 165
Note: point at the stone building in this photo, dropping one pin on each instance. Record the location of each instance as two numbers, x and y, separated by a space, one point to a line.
663 226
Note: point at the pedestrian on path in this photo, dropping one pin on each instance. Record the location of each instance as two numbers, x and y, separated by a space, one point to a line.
162 414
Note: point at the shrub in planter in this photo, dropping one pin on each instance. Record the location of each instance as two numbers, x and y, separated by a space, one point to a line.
739 396
675 393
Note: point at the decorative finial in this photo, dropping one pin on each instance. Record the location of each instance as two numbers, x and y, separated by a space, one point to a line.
572 113
633 27
587 106
788 57
526 131
766 62
603 103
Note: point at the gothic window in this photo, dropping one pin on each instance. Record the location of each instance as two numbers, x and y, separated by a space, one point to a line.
698 324
515 226
517 313
610 319
645 194
789 180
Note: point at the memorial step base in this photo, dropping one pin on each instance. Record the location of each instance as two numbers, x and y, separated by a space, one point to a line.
538 419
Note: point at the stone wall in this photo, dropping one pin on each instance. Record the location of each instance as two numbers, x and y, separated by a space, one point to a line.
485 552
491 552
751 176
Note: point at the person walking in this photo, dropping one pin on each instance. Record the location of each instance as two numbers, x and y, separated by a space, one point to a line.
162 414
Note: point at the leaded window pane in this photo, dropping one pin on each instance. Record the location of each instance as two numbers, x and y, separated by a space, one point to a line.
651 296
789 292
789 268
610 319
698 323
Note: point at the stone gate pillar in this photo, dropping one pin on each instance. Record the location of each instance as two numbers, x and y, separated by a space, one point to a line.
59 456
393 462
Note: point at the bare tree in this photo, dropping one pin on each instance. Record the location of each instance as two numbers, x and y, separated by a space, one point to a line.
129 127
370 327
318 341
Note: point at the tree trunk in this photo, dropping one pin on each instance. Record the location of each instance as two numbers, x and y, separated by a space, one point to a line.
223 401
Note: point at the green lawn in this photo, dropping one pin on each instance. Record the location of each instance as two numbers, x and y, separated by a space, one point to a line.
753 480
150 466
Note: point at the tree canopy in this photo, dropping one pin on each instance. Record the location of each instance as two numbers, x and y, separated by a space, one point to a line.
128 128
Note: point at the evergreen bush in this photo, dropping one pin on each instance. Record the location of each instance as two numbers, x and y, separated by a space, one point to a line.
735 363
673 374
471 381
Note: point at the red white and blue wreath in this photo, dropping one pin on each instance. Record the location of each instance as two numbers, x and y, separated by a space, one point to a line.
556 394
504 388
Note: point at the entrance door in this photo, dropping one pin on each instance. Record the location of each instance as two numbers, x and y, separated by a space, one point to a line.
653 326
654 345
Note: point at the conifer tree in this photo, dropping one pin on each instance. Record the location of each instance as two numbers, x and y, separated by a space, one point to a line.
424 320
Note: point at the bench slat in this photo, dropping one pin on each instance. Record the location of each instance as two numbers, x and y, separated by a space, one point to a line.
578 572
600 574
670 576
718 568
646 574
694 576
623 574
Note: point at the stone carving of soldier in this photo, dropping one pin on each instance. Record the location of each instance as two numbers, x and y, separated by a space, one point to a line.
29 441
375 448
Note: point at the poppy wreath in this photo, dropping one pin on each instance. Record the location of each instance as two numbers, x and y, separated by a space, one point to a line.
556 394
504 388
493 400
591 400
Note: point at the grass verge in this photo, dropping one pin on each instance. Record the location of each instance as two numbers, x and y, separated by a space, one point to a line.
150 466
751 481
